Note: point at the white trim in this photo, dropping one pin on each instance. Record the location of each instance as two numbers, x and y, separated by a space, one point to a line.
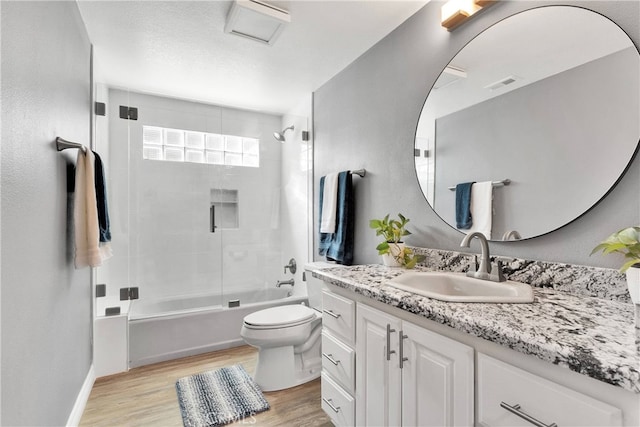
83 397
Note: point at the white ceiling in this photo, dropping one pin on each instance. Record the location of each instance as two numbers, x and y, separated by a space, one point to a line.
179 48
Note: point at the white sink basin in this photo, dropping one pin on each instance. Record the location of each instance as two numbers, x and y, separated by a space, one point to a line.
457 287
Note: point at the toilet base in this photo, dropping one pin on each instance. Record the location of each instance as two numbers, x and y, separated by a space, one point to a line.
279 368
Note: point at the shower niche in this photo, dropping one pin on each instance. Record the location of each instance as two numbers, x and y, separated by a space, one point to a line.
224 210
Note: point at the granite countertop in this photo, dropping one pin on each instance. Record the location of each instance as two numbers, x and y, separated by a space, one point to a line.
592 336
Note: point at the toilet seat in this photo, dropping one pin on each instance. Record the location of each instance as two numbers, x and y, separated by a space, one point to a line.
284 316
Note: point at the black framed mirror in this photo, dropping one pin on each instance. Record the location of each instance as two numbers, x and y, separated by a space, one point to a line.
546 101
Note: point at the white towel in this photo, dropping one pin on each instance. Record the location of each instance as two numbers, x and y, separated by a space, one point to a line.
329 204
85 215
482 208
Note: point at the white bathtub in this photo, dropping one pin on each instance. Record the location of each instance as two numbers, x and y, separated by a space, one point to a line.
167 329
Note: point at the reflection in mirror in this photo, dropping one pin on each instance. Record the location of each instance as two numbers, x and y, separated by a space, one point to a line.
555 112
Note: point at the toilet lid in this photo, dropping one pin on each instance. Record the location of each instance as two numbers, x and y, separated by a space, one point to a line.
282 316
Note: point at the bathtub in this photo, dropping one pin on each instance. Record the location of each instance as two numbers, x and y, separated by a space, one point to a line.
166 329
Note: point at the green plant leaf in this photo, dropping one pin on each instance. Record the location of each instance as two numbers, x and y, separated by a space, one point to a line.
383 246
613 247
628 236
411 263
629 264
625 241
598 248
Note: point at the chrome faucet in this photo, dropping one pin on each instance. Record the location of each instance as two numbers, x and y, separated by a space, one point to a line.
486 270
285 282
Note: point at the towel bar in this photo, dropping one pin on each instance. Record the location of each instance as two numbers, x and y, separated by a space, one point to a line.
63 144
493 183
359 172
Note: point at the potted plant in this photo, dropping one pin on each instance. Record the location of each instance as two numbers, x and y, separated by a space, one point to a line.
392 249
627 242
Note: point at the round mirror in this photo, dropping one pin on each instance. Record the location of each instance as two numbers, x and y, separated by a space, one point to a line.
531 123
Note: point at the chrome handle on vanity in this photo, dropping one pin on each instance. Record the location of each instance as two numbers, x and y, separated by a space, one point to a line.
329 402
331 313
515 409
402 337
389 351
331 359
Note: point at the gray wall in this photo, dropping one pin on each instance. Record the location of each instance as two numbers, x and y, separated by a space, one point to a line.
366 116
46 304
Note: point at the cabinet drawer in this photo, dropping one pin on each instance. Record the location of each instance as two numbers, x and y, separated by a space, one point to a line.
338 360
504 389
338 315
337 403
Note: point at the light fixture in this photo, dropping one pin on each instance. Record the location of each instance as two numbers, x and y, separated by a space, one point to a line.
256 20
455 12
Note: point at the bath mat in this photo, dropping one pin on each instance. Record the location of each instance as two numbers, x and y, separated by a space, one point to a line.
219 397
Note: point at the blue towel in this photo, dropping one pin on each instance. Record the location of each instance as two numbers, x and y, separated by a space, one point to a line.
463 206
338 246
101 200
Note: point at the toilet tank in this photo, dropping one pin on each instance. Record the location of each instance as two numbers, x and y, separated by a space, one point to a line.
315 285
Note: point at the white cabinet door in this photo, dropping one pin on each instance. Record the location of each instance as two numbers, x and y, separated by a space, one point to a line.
437 379
378 379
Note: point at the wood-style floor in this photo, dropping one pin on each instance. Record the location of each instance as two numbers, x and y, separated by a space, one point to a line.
146 396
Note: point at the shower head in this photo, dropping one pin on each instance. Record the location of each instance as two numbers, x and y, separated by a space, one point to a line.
280 135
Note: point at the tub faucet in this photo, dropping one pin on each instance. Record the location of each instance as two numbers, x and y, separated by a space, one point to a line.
285 282
486 270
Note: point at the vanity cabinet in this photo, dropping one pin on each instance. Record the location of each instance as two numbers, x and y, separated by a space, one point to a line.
338 358
509 396
408 375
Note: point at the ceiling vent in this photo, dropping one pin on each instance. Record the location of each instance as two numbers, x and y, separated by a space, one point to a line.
256 21
449 76
502 83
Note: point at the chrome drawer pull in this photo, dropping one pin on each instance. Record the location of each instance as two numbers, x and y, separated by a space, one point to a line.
328 402
331 313
389 351
331 359
515 409
403 359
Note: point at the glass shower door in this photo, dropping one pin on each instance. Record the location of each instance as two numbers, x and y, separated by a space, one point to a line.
177 252
248 206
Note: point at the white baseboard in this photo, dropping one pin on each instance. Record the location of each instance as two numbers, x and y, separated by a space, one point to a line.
81 400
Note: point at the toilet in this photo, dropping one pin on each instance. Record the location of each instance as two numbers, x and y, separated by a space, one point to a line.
288 338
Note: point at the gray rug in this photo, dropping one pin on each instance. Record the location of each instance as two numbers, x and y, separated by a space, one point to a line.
219 397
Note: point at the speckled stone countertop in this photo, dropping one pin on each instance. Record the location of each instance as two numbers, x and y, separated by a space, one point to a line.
592 336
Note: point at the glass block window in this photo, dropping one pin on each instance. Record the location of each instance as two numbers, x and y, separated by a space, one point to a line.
178 145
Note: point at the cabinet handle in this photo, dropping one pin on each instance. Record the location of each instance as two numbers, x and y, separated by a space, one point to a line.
389 351
331 313
401 345
331 359
329 402
515 409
